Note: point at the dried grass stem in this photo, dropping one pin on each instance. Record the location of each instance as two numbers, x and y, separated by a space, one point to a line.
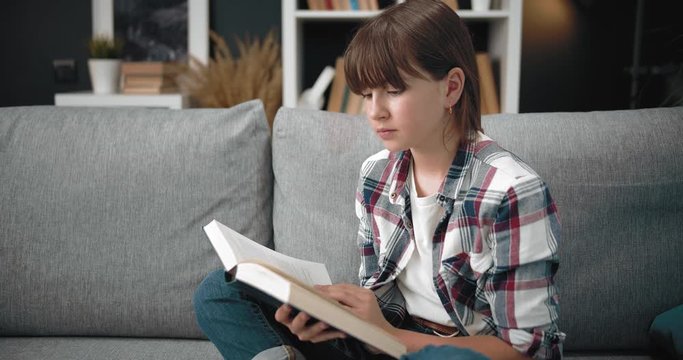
227 81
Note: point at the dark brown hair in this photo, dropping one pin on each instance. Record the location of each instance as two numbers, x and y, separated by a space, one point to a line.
416 37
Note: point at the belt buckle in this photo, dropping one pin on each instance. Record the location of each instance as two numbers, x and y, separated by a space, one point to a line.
437 329
439 334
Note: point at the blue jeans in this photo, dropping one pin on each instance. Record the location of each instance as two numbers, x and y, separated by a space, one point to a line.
241 327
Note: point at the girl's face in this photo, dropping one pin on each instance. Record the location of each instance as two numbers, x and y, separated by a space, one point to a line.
415 118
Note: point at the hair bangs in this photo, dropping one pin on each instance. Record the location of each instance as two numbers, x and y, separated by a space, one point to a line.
375 58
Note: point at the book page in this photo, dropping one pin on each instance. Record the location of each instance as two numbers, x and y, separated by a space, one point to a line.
233 248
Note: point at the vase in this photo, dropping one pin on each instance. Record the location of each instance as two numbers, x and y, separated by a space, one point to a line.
104 75
481 5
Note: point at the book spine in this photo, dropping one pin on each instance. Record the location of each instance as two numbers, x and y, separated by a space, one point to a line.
338 85
148 68
487 85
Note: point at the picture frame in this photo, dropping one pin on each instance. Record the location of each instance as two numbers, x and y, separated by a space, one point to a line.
197 27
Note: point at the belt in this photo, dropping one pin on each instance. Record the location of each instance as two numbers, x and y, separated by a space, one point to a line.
437 329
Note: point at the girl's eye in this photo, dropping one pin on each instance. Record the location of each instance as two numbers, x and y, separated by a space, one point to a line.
394 92
366 95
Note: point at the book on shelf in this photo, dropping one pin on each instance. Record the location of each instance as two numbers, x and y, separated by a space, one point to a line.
342 4
149 67
156 86
149 77
487 85
150 90
354 5
453 4
369 4
342 99
354 104
275 278
338 87
148 80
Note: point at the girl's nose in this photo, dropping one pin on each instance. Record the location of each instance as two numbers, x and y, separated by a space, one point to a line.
375 109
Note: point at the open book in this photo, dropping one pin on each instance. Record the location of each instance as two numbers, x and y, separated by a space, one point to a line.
277 278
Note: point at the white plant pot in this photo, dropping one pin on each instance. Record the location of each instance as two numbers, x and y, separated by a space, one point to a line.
104 75
481 5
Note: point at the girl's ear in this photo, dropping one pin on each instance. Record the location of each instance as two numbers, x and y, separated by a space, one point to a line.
455 83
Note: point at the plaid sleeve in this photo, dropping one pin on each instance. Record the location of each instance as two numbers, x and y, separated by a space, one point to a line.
365 241
520 287
389 297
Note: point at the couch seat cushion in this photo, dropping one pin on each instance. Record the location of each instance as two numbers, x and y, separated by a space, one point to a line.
93 348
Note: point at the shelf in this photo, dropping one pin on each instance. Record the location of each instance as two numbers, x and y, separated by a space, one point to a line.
87 98
334 15
361 15
483 15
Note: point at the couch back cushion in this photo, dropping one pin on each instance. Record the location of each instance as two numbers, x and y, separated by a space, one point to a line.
316 162
617 178
101 213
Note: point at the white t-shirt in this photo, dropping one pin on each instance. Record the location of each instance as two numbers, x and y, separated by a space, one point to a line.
415 281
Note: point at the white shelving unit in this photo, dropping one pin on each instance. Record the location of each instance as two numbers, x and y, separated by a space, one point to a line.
504 45
87 98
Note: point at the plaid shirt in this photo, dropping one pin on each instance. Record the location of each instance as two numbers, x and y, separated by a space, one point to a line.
495 249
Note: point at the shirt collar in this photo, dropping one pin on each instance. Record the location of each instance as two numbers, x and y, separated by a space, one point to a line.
399 192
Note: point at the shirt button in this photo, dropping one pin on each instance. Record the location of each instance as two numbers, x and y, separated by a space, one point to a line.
409 224
393 195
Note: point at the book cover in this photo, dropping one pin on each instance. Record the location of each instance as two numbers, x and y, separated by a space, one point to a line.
277 278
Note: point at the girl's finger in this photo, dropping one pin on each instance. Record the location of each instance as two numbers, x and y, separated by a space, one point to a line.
312 331
299 323
282 315
345 293
329 335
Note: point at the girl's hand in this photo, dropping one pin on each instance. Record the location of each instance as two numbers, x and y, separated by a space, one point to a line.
306 330
360 301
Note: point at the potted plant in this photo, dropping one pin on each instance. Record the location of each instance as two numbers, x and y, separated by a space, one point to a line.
104 63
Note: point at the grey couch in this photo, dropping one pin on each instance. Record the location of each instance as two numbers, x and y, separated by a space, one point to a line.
101 212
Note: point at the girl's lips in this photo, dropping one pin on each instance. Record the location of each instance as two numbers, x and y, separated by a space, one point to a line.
385 134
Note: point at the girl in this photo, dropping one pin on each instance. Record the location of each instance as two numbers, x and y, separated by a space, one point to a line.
458 237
